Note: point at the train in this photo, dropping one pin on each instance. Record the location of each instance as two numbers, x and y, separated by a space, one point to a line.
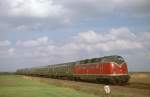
108 69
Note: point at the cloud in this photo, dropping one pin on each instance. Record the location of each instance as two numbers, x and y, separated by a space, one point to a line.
35 42
145 38
46 15
134 8
6 49
43 51
87 9
82 8
18 17
31 15
30 8
5 43
115 39
35 48
11 51
90 41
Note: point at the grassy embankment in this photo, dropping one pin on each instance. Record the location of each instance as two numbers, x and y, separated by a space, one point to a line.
19 86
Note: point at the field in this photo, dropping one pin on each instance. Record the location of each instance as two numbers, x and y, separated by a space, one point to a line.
25 86
20 86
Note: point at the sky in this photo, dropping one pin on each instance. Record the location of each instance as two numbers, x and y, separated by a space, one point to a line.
43 32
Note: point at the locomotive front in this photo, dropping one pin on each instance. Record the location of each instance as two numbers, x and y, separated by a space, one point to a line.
109 69
119 70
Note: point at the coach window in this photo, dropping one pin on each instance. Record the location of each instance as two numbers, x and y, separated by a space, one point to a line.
85 61
89 61
93 60
78 62
97 60
82 62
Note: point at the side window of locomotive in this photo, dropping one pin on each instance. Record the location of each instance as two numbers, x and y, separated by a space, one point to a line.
106 60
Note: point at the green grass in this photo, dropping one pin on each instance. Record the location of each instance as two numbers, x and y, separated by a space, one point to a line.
18 86
27 86
97 89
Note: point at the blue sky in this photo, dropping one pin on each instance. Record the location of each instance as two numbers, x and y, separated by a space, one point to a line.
41 32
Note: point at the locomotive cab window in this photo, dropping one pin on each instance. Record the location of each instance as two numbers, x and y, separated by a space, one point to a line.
119 60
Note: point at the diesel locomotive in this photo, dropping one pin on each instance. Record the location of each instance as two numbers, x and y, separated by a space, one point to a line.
108 69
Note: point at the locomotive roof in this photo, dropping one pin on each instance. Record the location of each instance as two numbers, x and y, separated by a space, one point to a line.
89 60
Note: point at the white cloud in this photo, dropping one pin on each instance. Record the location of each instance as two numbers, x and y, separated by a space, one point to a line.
5 43
11 51
35 42
29 8
39 15
90 42
89 37
31 15
134 8
145 38
87 9
115 39
42 50
48 15
82 8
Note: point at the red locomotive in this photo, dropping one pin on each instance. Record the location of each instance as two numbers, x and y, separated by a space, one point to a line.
108 69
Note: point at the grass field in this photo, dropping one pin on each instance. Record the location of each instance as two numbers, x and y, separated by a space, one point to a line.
19 86
140 77
25 86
